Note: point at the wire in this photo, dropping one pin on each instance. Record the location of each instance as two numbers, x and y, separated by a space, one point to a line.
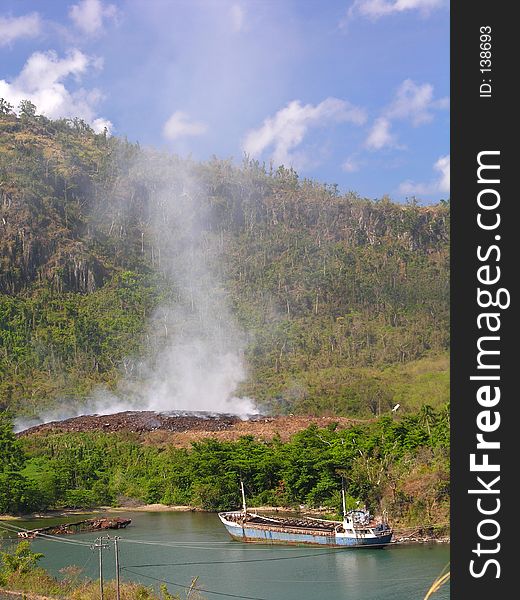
196 545
53 538
239 548
205 591
70 542
228 562
325 581
227 542
81 570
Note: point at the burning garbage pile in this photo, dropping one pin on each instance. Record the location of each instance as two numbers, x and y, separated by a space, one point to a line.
183 428
141 422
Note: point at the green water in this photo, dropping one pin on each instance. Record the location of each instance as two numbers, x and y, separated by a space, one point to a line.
199 546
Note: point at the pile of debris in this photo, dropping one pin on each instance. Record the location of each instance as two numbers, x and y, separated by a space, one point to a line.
139 422
184 428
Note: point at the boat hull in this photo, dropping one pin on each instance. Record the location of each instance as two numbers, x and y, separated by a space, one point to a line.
276 535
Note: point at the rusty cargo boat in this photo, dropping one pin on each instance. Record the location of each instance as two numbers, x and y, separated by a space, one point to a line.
357 529
85 526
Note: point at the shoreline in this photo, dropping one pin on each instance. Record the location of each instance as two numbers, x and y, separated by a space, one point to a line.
65 512
403 535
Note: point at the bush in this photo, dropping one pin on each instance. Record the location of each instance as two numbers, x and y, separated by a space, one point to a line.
22 560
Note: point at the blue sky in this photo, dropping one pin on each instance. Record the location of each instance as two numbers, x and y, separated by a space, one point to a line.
352 92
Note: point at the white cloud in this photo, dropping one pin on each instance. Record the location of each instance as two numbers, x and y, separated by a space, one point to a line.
443 166
13 28
287 129
379 135
415 102
237 18
376 9
412 102
88 15
181 125
440 185
351 165
41 82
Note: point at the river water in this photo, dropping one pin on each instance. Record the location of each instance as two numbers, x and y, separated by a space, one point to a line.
178 546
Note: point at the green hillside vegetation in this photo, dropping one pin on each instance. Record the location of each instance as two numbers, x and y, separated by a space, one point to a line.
396 464
344 301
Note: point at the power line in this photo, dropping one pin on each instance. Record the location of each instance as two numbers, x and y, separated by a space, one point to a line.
233 546
226 543
48 537
81 570
101 545
325 581
53 538
205 591
244 560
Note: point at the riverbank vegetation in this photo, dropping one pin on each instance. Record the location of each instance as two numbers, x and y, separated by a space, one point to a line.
19 571
394 464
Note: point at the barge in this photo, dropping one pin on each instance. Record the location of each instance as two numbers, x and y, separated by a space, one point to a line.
357 529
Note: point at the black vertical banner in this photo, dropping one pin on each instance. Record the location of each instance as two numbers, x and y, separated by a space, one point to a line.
484 397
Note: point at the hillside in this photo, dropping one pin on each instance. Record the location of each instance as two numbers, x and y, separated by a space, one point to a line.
395 462
339 304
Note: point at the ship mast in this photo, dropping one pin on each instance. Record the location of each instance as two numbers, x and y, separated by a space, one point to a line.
244 506
343 497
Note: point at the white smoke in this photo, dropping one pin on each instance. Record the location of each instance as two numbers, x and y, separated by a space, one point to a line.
194 360
99 404
197 363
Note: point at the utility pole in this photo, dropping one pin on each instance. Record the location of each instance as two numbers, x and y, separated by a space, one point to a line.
116 549
100 545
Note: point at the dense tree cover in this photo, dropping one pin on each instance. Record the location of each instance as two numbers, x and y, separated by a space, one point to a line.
332 290
16 491
397 464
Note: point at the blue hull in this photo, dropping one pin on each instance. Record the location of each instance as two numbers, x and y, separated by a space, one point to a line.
277 536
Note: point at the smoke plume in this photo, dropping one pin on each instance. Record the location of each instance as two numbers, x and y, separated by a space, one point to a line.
197 358
194 360
200 363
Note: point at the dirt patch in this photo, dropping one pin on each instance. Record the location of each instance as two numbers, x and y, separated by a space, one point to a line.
261 429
